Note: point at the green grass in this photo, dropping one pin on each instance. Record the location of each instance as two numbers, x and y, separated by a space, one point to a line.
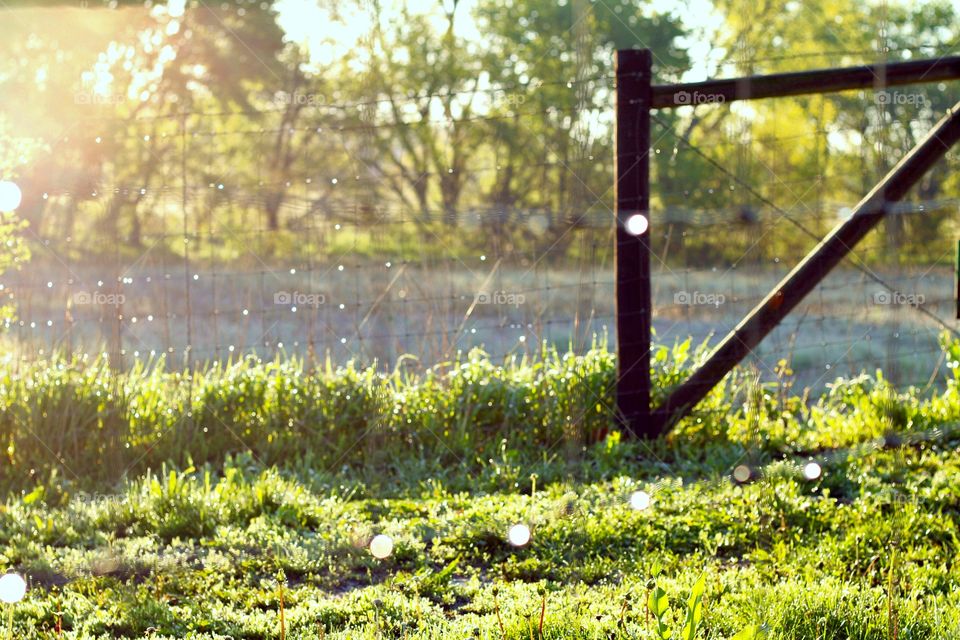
192 507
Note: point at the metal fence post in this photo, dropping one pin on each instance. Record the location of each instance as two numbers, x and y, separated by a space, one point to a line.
632 189
956 294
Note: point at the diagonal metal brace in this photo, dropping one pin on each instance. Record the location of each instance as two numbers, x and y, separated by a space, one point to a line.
809 272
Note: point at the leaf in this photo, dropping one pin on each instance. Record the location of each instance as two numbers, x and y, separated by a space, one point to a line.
696 594
747 633
34 495
448 570
694 609
658 602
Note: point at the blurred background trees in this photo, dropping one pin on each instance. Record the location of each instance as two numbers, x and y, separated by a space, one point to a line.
490 114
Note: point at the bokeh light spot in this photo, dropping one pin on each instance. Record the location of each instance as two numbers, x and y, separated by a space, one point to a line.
12 588
519 535
637 224
742 473
10 196
640 500
812 471
381 546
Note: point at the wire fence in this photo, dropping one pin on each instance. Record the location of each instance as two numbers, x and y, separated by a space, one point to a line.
883 309
228 262
341 304
224 250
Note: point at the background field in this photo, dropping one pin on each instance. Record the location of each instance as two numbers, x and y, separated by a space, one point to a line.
425 311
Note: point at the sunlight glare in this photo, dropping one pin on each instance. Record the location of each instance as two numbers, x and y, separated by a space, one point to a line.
175 8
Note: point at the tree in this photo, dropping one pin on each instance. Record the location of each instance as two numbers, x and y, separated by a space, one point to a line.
556 61
420 84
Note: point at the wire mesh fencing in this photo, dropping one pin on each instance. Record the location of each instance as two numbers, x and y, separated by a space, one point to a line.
326 257
762 193
295 231
345 305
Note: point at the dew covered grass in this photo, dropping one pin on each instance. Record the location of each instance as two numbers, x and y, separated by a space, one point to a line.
242 501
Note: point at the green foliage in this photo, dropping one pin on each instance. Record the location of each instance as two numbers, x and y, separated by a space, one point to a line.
482 422
201 552
658 604
241 473
465 412
14 253
511 119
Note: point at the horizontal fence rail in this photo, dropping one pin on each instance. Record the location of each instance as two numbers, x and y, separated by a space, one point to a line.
781 85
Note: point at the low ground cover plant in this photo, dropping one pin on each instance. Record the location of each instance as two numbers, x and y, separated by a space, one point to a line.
242 501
